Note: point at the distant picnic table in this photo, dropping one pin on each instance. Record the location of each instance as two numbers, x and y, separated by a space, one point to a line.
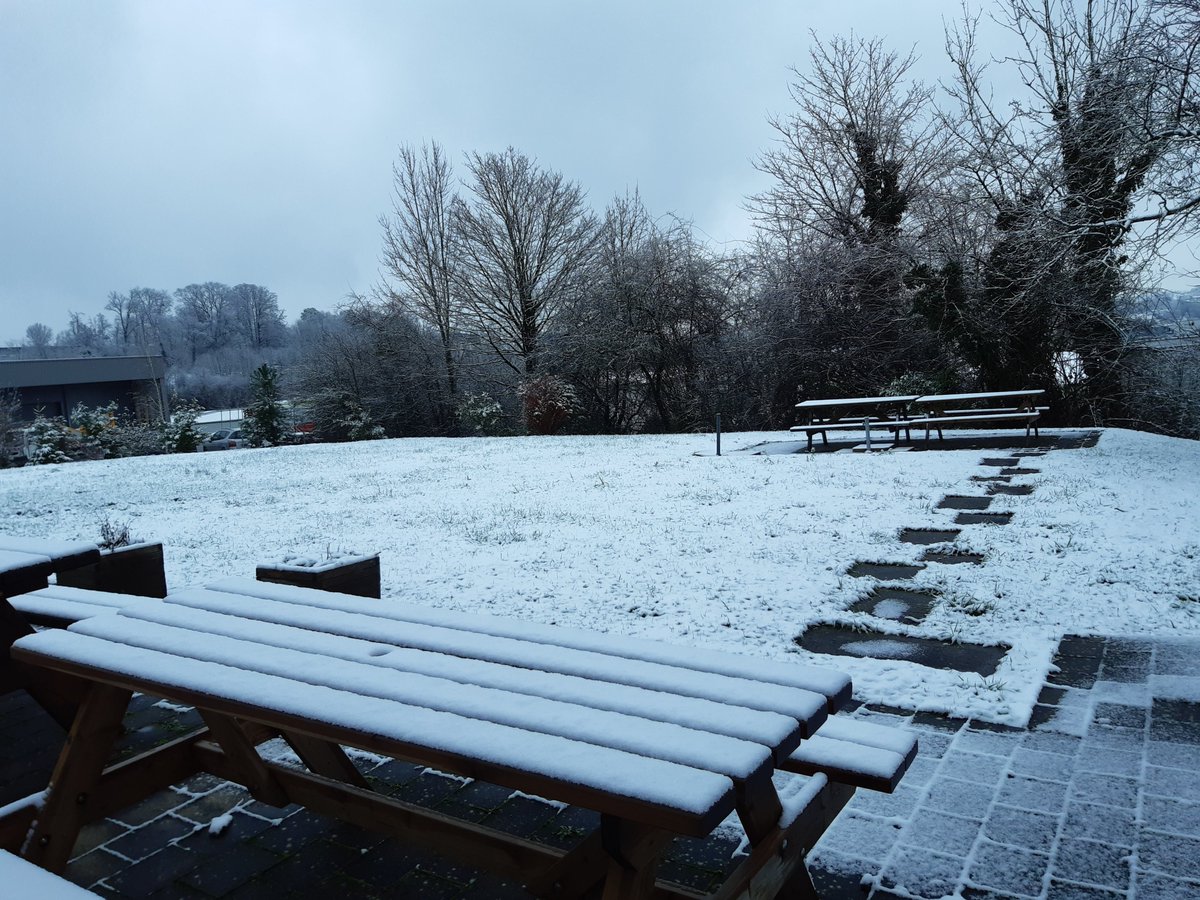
934 412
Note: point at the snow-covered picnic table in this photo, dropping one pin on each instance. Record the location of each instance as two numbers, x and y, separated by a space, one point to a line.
937 413
660 740
849 413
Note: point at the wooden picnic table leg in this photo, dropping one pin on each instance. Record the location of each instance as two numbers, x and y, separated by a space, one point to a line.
96 727
633 852
242 755
326 758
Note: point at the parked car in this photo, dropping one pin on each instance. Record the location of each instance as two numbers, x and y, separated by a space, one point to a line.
224 440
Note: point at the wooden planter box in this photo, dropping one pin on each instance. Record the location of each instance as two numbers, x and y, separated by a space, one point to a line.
357 575
136 569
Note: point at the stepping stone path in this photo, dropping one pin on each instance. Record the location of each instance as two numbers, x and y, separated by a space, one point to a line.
909 606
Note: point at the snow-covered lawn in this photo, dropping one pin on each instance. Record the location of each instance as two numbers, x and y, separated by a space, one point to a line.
638 536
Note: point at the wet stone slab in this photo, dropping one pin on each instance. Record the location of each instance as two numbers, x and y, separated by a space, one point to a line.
1000 462
842 641
928 535
897 604
983 518
884 571
952 557
962 501
1014 490
991 479
1020 470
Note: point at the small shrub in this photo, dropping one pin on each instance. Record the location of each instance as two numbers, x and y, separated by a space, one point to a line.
547 402
114 534
181 435
480 414
51 441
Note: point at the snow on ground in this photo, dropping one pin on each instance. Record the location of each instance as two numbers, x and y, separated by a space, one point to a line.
638 536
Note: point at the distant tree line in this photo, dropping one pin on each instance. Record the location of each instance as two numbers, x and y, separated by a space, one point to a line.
911 240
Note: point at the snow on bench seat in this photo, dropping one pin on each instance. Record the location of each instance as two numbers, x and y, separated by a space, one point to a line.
59 605
665 794
768 728
22 879
728 756
948 421
855 752
11 560
834 685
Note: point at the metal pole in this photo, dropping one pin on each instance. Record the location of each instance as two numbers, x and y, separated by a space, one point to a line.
718 434
867 428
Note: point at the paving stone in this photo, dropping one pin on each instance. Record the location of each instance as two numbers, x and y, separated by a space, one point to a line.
1064 890
936 830
1101 823
1121 716
983 518
1109 790
835 870
976 767
1051 742
234 870
150 838
1012 490
836 639
860 837
1040 764
204 809
920 772
1181 756
274 813
241 828
923 874
1175 816
394 774
89 868
568 827
898 804
884 571
1020 827
1170 660
1030 793
150 808
422 885
293 833
1108 761
1175 720
299 872
1079 645
952 557
92 836
1019 470
1181 784
154 873
1043 716
1125 674
897 604
1129 740
383 867
1008 869
991 479
428 789
938 722
963 501
484 795
959 797
992 743
1094 862
520 816
1171 855
929 535
1000 462
1151 886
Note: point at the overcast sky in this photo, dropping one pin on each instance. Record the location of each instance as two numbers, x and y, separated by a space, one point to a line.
158 144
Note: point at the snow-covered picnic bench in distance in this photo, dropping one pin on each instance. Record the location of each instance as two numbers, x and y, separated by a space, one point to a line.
933 412
659 740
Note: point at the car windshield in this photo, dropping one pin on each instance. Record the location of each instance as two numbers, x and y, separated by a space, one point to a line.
218 435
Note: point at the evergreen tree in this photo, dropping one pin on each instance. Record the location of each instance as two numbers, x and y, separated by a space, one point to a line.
264 426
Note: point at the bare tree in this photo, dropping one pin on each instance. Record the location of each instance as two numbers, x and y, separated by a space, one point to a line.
418 255
39 336
523 244
256 316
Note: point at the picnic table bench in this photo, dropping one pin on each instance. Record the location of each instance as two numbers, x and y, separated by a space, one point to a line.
659 740
851 413
938 414
27 563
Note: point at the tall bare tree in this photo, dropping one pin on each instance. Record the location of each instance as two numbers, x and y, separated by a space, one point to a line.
418 255
524 241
